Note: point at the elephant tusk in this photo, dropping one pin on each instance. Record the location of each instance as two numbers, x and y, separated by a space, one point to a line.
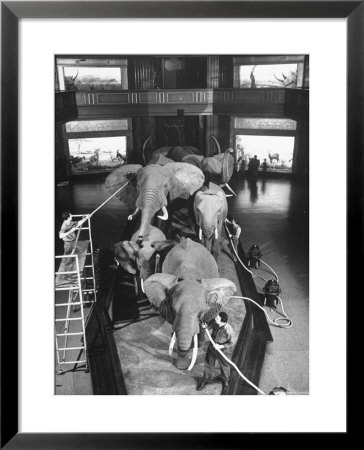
230 189
146 142
200 234
171 345
216 233
194 354
165 214
217 144
142 285
134 213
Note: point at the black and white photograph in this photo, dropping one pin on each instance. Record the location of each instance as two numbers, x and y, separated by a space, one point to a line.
182 224
181 200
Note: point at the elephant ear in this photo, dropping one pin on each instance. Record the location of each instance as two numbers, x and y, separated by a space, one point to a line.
227 167
126 253
215 189
193 159
218 292
157 286
212 164
116 179
186 180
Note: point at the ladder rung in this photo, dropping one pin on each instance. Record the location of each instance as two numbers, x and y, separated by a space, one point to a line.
69 303
65 273
67 288
87 266
69 334
70 318
73 362
71 348
87 278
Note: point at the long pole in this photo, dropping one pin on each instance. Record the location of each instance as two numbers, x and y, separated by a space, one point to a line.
93 212
102 204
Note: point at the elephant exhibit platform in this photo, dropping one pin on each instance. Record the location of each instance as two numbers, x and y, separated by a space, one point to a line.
138 337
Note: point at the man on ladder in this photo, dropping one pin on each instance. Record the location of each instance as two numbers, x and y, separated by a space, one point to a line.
68 235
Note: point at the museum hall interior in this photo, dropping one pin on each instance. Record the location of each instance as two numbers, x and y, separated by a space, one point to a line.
181 225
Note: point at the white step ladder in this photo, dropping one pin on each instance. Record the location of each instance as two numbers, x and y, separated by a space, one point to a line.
72 291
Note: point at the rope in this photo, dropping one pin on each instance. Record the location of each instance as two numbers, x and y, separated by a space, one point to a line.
233 364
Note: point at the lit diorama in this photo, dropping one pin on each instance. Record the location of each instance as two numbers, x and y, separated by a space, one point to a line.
92 78
276 151
268 76
97 154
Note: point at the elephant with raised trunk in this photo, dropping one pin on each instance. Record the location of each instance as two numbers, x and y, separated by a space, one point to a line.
186 293
210 208
149 188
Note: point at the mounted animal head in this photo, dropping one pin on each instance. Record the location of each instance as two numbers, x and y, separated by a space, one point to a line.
150 186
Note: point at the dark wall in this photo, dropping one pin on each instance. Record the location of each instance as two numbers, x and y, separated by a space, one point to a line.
142 128
61 153
149 72
301 157
177 131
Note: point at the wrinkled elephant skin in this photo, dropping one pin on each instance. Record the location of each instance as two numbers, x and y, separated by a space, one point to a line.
149 187
188 290
134 258
210 208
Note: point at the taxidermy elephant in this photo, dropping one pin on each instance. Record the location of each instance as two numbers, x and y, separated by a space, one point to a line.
188 154
219 168
149 187
210 208
134 258
186 292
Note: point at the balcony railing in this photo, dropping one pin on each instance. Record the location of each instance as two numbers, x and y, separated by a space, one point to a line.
275 102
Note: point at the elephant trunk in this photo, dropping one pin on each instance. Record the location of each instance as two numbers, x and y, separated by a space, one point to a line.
149 201
184 345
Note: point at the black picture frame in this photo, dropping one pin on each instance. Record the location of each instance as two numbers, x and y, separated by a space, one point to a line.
11 12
